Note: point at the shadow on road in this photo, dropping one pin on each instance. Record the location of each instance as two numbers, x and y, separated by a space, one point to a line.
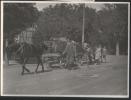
38 72
44 71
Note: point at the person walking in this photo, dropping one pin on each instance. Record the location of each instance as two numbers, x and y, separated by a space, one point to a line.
87 54
104 54
70 53
98 55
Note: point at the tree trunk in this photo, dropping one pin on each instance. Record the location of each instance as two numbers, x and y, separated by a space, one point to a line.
6 60
117 48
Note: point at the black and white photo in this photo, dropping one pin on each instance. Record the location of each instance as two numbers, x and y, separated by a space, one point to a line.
66 49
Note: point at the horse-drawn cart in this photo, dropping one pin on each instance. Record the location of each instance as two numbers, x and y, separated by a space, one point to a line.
53 60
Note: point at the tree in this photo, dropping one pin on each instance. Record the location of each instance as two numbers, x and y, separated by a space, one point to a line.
91 26
107 27
114 24
121 19
17 17
56 21
65 20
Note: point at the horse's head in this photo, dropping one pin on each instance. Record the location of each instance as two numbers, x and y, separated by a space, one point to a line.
12 47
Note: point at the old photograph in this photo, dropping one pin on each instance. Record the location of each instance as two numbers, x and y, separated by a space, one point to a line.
65 49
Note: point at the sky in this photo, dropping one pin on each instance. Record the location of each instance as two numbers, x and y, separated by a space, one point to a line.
40 6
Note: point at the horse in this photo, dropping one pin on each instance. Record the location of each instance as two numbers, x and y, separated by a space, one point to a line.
25 51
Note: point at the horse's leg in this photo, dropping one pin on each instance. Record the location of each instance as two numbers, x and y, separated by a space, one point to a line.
23 66
37 66
41 64
39 61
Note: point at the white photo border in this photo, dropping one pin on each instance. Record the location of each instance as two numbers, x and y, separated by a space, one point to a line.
96 96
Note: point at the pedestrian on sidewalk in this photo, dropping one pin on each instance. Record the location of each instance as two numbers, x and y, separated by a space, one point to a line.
104 54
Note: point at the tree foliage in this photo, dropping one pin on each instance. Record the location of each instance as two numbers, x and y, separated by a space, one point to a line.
106 27
17 17
114 25
66 20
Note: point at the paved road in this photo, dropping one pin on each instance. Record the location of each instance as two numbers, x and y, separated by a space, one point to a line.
104 79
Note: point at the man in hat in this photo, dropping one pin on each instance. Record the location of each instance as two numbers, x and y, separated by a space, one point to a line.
98 54
70 53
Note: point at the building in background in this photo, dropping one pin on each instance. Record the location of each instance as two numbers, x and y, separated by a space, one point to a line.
26 35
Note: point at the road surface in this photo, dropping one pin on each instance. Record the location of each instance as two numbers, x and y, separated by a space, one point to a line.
106 79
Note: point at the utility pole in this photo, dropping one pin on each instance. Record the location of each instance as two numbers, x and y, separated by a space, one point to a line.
83 25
